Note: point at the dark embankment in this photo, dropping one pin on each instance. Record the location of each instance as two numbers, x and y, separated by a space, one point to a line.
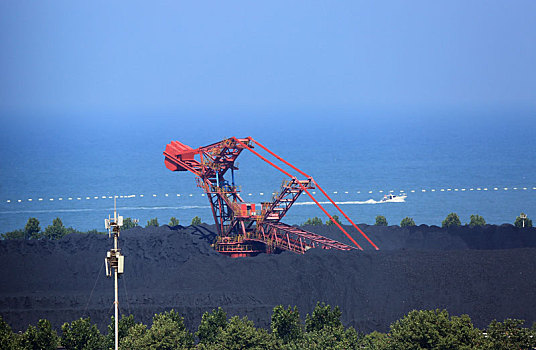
488 273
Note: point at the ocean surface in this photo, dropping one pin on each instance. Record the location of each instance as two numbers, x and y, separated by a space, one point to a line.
467 162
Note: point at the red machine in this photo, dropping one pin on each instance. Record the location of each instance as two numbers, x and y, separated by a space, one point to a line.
247 229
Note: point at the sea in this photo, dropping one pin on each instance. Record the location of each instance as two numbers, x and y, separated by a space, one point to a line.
466 162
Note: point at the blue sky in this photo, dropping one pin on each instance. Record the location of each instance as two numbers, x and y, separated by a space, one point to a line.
147 58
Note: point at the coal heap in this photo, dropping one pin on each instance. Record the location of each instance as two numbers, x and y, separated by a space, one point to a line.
486 272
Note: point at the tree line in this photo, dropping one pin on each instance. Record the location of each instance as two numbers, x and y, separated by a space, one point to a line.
57 230
322 329
452 220
32 229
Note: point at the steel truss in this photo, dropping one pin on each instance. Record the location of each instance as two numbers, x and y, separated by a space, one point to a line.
243 229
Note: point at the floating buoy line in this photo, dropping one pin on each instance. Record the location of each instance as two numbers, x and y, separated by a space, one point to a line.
155 195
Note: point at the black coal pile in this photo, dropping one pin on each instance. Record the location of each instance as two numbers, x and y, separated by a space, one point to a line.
426 237
488 273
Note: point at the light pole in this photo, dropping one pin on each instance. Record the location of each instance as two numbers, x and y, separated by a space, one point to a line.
115 261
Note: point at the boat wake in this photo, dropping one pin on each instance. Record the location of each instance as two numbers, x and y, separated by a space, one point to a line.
370 201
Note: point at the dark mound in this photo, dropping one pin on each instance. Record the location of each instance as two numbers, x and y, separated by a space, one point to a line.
425 237
463 270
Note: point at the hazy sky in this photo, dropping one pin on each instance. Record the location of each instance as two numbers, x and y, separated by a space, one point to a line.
62 57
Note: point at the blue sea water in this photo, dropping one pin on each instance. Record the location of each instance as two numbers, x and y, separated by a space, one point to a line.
464 162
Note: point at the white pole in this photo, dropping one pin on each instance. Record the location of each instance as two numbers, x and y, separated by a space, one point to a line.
116 314
116 302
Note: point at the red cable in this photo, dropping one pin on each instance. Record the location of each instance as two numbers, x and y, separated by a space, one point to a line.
320 188
303 188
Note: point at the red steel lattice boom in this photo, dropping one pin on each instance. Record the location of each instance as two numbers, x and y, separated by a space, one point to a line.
245 229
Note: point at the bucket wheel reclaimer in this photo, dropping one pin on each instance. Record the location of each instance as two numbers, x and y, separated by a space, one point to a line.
245 229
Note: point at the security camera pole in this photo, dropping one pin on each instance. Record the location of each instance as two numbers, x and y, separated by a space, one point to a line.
116 261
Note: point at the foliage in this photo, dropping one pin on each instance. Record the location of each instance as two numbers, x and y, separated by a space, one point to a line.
32 230
56 230
509 335
41 338
477 220
381 221
519 221
451 220
332 222
323 316
241 333
153 222
316 221
375 341
428 329
286 324
124 325
128 223
173 221
433 329
167 332
8 340
135 338
17 234
407 221
81 335
196 220
211 326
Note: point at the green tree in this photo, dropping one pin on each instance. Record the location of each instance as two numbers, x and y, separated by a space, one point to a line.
17 234
375 341
42 337
81 334
523 220
135 338
477 220
173 221
152 222
452 220
56 230
168 332
329 338
128 223
8 339
407 221
196 220
509 334
124 324
434 329
323 316
32 230
381 221
240 333
332 222
286 324
211 326
316 221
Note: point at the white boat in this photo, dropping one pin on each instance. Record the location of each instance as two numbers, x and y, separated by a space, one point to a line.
394 198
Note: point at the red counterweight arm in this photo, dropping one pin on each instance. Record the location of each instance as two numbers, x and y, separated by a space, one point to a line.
303 188
318 186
